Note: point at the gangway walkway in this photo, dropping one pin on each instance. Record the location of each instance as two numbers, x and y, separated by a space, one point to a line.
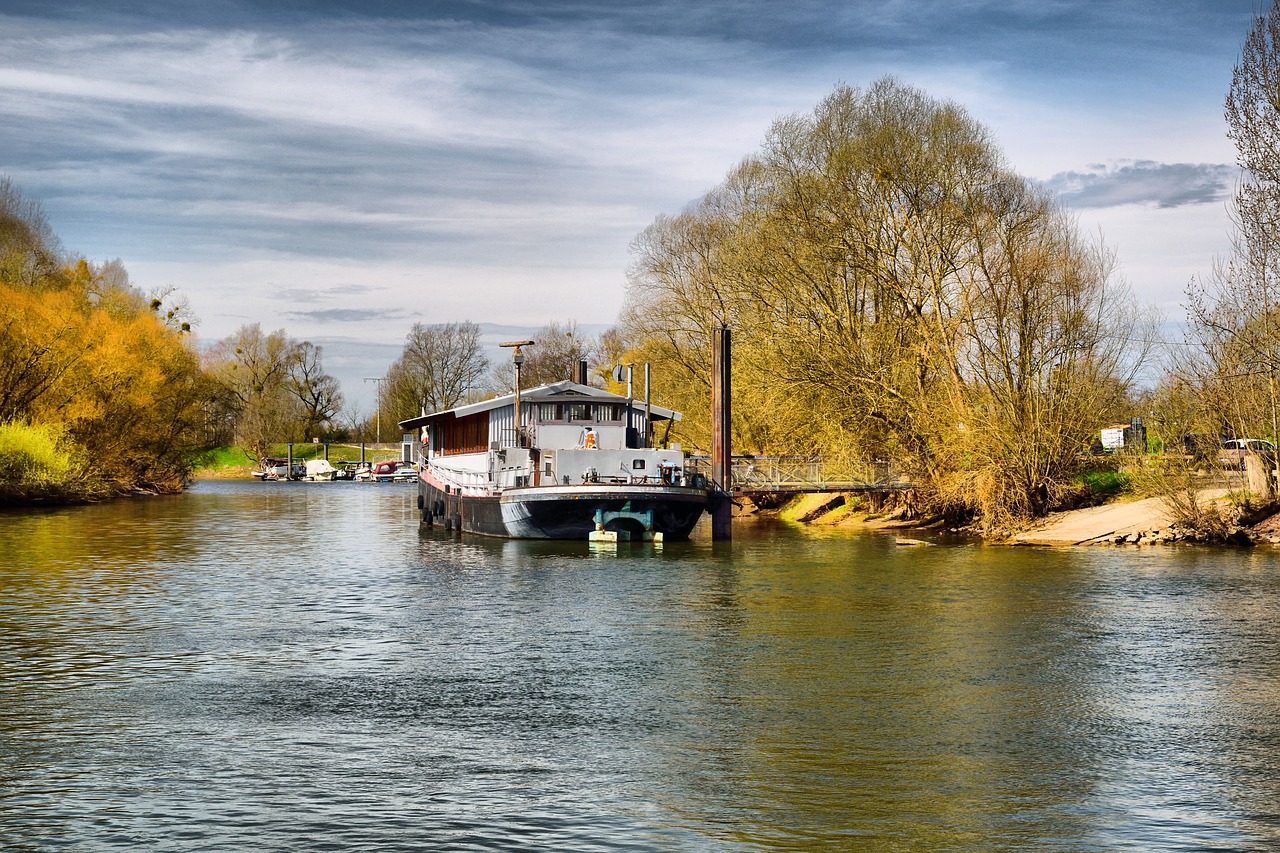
776 478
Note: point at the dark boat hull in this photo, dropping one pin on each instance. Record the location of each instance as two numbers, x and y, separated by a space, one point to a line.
567 512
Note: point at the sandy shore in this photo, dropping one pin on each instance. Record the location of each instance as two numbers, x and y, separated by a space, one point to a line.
1144 521
1127 521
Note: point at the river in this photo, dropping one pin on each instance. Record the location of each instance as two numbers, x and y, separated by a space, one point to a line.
291 666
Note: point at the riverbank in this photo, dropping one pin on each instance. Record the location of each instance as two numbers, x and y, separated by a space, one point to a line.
1142 521
236 463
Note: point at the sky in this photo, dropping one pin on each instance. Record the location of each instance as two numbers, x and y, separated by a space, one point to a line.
343 170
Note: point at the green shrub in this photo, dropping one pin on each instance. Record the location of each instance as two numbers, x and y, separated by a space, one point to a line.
38 462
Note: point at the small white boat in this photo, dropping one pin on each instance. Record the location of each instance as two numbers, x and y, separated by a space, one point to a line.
319 470
277 468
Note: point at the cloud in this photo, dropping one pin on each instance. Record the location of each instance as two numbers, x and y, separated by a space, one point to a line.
347 290
357 140
351 166
347 315
1145 182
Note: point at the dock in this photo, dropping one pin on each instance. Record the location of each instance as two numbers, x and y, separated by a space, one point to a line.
772 480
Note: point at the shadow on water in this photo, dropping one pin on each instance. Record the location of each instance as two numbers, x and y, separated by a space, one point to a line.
288 666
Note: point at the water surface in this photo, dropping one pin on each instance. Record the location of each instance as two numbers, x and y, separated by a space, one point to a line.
292 666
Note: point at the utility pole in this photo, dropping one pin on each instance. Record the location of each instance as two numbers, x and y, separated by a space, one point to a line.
379 380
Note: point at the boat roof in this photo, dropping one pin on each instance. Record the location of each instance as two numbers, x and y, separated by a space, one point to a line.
556 392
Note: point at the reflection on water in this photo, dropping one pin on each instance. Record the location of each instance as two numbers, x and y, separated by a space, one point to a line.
292 666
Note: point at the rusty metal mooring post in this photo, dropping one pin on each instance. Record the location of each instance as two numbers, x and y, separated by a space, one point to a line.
721 444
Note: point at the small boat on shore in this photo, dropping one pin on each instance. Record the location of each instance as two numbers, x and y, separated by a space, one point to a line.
275 468
574 463
320 471
394 471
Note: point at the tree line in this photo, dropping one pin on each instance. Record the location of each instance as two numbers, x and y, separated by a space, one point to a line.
1223 381
445 365
104 390
270 386
897 292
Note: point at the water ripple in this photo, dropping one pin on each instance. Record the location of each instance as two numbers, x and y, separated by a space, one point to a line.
293 667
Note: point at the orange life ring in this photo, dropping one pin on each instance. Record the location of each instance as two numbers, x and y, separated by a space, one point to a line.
589 440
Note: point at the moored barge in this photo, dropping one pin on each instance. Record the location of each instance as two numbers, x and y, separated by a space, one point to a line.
560 461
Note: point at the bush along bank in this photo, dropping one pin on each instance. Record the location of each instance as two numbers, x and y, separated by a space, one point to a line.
44 464
39 464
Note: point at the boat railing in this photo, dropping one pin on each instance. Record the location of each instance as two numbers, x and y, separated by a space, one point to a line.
667 475
461 478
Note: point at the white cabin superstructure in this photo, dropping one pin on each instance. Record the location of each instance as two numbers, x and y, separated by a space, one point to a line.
479 449
572 442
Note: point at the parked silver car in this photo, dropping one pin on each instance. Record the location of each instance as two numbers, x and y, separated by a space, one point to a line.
1234 450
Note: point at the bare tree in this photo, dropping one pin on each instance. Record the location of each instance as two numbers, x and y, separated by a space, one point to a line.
554 357
318 393
1234 312
253 368
441 366
30 253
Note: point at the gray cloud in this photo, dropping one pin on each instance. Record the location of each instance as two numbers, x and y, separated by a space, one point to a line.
1145 182
348 315
306 294
493 159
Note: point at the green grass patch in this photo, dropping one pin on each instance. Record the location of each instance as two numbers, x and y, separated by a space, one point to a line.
223 457
1105 482
338 453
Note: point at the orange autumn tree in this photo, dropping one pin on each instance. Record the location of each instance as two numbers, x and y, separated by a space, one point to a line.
100 392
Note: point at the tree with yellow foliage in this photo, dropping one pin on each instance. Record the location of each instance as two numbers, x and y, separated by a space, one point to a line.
896 291
91 374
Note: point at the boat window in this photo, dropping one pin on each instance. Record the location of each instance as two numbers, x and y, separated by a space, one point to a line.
580 412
